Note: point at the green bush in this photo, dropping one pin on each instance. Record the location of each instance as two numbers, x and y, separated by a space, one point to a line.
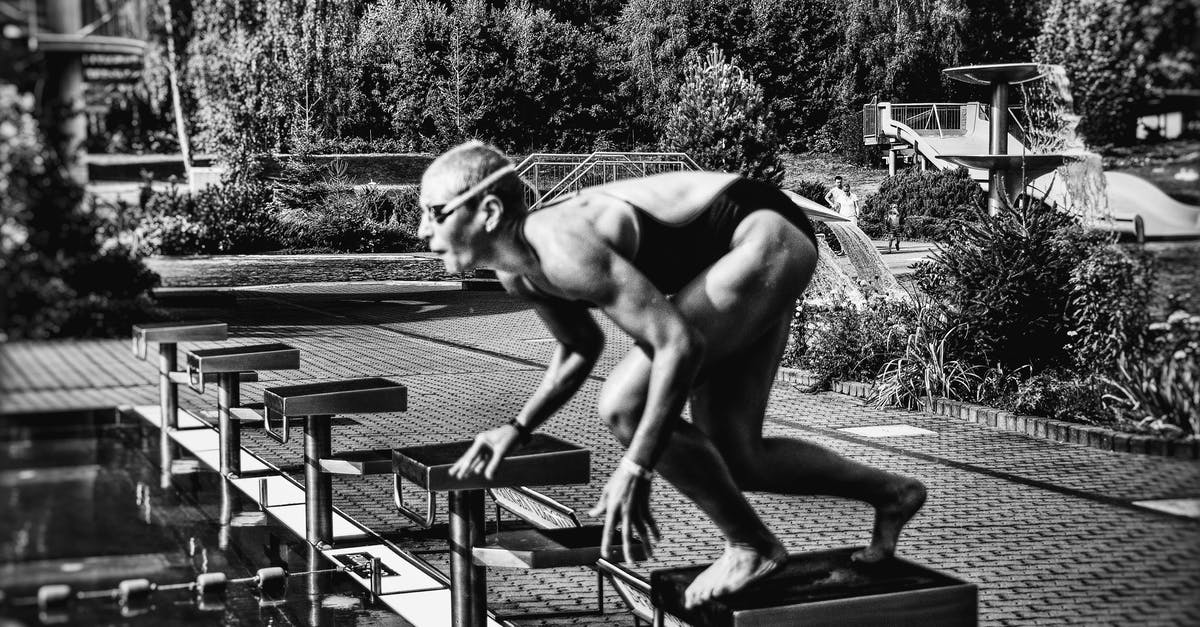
318 208
843 342
59 276
1060 395
1109 291
1160 390
230 218
926 368
1007 280
930 202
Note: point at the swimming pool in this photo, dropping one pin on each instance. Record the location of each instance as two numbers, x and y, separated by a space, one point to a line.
82 503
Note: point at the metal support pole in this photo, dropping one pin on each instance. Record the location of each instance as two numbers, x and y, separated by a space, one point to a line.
168 410
998 145
318 486
230 429
168 390
315 584
226 518
468 582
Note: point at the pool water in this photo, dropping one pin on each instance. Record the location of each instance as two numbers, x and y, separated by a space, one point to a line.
82 504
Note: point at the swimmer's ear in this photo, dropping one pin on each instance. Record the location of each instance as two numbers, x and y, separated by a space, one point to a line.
493 210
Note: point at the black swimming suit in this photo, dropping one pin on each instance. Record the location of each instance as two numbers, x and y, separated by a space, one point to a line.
671 255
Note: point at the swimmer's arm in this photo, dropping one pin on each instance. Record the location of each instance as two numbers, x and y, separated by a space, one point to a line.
674 347
580 342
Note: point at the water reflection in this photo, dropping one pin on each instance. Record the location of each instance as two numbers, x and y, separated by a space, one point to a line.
93 513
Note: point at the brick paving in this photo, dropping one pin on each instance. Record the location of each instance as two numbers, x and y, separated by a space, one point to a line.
1046 529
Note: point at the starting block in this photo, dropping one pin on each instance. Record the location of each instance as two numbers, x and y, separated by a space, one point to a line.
228 364
316 404
544 460
828 588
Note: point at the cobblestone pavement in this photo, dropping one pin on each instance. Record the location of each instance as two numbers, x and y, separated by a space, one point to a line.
1047 530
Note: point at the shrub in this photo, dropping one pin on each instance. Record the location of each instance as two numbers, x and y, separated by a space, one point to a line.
1006 279
844 342
929 203
317 207
925 369
1109 291
1060 395
57 277
1160 391
722 121
229 218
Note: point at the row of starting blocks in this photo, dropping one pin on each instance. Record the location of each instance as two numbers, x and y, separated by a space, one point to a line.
813 588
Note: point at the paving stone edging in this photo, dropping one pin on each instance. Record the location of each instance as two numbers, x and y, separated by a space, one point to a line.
1057 430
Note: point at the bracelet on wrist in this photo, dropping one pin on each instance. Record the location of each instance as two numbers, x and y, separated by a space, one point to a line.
524 433
636 469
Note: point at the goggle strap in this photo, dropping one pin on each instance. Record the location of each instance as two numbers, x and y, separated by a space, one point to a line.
454 203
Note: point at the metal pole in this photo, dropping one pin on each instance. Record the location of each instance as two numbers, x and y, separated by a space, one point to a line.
318 486
315 587
227 503
998 145
468 582
168 410
231 430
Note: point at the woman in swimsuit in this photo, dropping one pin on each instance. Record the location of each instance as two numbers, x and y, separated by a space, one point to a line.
735 255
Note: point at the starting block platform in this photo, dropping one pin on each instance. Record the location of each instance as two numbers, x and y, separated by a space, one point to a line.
407 584
827 588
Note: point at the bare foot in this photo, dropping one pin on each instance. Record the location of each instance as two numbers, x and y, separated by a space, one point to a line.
737 568
890 518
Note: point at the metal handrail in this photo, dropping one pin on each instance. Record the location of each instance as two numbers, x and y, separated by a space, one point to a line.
610 166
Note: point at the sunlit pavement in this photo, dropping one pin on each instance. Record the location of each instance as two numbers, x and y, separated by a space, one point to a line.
1053 533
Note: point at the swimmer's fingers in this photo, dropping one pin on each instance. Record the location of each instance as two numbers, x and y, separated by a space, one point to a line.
465 466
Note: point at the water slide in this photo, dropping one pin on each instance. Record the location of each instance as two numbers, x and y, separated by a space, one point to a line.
1164 217
1128 196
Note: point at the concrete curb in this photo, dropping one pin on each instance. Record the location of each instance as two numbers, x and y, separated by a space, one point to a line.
1091 436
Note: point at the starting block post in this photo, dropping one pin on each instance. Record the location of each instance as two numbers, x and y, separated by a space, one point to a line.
317 403
167 335
544 460
228 364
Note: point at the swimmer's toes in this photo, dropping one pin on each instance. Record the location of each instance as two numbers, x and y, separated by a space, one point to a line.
870 555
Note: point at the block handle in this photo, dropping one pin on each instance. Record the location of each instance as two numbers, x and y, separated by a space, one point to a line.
280 436
195 378
425 520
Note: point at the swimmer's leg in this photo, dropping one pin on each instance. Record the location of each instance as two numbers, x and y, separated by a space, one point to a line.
730 405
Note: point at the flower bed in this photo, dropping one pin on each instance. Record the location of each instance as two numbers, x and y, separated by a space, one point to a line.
1097 437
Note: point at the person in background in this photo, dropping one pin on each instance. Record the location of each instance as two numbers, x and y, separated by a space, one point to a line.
894 222
835 196
849 203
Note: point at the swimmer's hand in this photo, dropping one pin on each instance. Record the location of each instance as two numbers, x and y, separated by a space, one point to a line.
485 453
627 496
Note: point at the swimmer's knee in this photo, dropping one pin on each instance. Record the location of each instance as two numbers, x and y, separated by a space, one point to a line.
621 417
747 473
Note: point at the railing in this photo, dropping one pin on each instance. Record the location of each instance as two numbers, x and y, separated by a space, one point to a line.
928 118
115 18
1015 127
870 117
559 174
104 18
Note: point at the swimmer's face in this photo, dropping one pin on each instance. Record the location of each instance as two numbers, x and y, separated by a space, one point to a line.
453 233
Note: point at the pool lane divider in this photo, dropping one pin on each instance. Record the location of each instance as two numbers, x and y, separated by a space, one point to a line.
410 586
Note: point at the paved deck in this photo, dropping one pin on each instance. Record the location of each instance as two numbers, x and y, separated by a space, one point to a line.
1049 531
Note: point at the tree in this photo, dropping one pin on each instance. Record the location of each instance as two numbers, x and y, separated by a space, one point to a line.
722 121
1100 45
